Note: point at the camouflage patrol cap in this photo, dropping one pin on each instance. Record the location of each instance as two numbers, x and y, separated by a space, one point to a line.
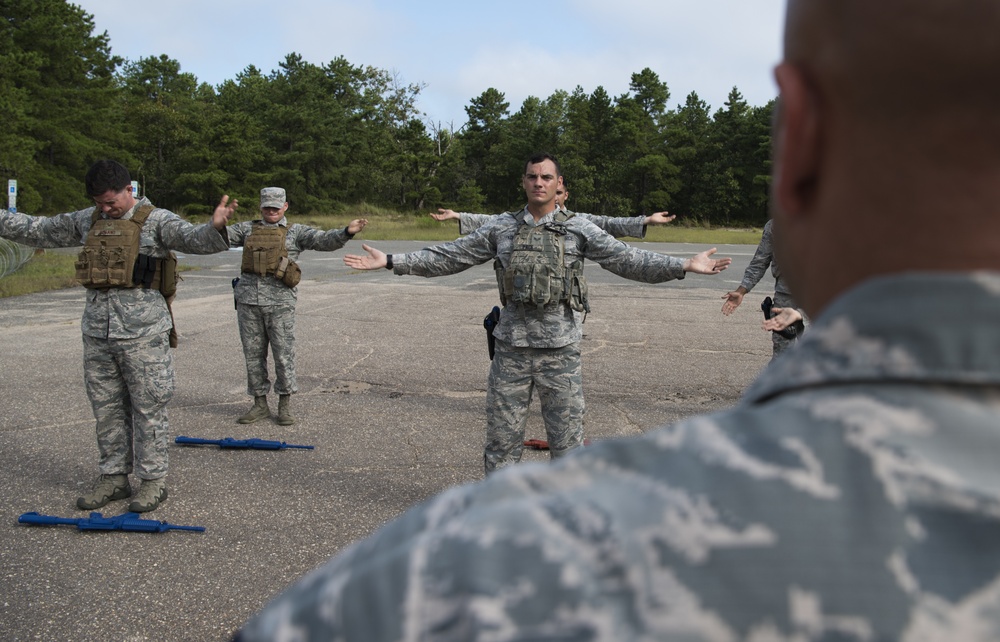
272 197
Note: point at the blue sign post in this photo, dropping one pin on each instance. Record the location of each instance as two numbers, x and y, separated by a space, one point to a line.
12 196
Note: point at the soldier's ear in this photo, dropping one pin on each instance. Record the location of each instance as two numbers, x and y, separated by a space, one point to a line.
797 142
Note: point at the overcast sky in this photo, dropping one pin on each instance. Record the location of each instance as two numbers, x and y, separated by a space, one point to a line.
457 50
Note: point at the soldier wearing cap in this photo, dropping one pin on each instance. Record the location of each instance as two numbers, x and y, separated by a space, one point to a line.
266 292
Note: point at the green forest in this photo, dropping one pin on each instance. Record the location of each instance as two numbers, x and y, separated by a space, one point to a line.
337 134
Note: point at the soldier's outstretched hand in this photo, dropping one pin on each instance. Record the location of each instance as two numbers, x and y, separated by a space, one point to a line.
356 225
659 218
783 317
223 211
703 263
374 260
733 301
445 215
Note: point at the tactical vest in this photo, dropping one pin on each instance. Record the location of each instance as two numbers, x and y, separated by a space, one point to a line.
537 274
110 256
265 253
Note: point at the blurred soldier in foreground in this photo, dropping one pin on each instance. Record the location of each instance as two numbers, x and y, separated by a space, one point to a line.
266 293
128 270
854 493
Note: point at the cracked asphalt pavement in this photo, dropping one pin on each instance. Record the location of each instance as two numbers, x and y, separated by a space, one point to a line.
392 375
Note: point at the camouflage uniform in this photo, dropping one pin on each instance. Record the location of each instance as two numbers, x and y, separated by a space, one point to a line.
852 495
616 226
266 307
762 258
536 348
127 362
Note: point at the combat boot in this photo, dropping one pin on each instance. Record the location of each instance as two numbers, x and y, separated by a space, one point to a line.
106 489
285 417
257 412
151 493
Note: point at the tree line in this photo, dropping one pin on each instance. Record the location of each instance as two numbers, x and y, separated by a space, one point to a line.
340 134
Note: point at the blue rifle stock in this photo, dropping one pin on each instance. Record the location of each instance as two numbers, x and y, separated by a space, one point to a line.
229 442
129 522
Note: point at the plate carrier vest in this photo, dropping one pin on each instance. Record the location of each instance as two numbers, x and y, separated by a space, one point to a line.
538 274
265 253
110 256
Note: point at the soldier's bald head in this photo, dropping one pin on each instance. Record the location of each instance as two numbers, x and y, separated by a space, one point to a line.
887 142
897 65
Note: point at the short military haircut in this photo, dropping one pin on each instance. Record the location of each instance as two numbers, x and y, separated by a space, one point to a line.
106 175
541 157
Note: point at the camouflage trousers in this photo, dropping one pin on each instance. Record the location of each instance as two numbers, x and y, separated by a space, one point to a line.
262 326
778 342
514 375
129 383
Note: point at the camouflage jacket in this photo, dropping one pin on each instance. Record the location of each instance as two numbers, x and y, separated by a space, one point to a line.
853 494
616 226
555 325
762 258
254 289
118 313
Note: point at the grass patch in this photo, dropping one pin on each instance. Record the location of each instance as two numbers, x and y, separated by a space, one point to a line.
44 271
53 270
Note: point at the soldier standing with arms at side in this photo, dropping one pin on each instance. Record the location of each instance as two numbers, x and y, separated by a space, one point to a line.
538 255
266 293
127 362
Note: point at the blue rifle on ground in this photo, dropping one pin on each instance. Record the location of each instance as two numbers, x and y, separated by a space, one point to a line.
229 442
129 522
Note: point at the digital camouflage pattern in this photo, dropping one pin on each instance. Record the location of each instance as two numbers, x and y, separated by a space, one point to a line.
852 495
263 326
127 362
536 346
555 325
266 306
763 258
129 383
118 313
515 373
254 289
616 226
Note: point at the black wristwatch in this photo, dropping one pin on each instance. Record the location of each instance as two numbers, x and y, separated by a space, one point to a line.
388 261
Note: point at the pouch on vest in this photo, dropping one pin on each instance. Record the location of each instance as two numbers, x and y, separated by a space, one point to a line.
537 274
109 254
292 275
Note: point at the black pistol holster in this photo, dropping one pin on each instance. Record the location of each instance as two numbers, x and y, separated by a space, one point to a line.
490 322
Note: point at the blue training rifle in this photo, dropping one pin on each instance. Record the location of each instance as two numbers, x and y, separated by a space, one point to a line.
229 442
96 522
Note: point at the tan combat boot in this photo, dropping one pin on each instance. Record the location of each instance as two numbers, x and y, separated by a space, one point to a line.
285 417
257 412
107 488
151 493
